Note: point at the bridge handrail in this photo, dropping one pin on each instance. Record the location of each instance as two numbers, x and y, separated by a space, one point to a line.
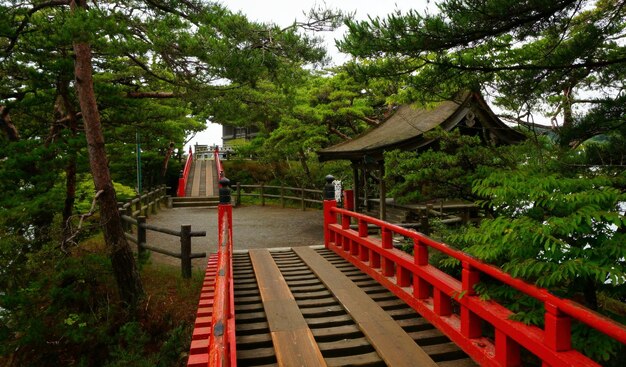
548 343
182 181
222 345
222 323
218 163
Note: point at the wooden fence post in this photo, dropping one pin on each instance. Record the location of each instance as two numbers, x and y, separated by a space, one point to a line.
141 236
138 204
282 195
425 227
302 198
129 213
185 250
238 200
262 192
145 204
154 197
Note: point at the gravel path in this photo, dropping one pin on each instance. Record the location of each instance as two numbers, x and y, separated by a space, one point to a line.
253 227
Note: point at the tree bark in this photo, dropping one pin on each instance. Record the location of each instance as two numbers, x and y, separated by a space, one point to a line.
305 166
170 150
7 125
591 295
122 259
70 168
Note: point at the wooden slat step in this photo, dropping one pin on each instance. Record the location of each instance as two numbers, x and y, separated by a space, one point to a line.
337 333
254 341
466 362
312 288
444 352
345 347
251 329
323 311
311 303
255 307
363 360
391 342
428 337
331 321
251 317
254 357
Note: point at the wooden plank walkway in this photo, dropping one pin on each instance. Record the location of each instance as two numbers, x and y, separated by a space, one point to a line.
309 307
201 181
294 343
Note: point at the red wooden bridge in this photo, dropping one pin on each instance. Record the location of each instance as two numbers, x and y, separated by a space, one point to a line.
358 301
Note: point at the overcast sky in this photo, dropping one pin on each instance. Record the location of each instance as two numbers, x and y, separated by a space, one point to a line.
285 12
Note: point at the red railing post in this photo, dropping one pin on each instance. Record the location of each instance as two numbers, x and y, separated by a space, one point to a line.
218 163
184 175
364 252
507 350
421 288
471 324
558 329
348 200
329 216
181 184
387 243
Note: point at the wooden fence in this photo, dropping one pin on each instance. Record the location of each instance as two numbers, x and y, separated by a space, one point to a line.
421 216
282 193
136 211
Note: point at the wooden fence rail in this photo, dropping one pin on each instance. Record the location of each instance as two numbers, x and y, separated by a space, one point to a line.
136 211
283 193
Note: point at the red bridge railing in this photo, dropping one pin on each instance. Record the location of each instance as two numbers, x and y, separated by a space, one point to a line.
182 180
213 341
222 340
432 293
218 163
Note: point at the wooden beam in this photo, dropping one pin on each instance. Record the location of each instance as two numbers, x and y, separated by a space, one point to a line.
293 340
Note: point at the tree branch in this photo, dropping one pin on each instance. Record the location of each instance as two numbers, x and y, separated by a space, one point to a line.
157 95
369 121
36 8
147 70
82 218
339 133
492 69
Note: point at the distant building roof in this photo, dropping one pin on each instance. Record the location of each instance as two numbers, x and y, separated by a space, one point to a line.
405 128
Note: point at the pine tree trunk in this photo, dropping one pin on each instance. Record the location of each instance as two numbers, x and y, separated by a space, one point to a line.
305 166
122 260
70 168
590 293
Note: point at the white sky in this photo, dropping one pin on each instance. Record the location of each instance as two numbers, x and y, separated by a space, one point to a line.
284 12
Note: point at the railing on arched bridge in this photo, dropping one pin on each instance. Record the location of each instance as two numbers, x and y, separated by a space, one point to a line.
218 163
184 175
217 325
452 305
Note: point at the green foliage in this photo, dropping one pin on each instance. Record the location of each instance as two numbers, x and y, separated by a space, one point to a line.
561 59
446 171
557 225
85 193
62 310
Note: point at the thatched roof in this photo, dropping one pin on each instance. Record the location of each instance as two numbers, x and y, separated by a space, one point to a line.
405 128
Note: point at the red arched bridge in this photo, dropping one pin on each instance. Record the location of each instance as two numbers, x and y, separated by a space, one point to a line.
358 301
